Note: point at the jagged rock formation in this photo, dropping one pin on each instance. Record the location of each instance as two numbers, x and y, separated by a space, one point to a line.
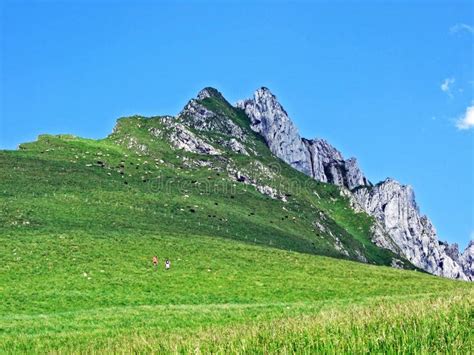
316 158
234 145
394 206
197 116
182 138
399 225
466 260
328 165
270 120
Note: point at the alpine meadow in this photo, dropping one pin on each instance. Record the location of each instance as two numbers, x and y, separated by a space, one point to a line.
275 243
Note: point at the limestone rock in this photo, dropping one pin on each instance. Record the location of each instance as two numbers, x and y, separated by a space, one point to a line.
328 165
466 259
234 145
180 137
268 118
316 158
394 207
209 92
196 115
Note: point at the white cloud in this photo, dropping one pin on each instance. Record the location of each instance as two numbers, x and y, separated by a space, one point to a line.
466 121
446 86
459 27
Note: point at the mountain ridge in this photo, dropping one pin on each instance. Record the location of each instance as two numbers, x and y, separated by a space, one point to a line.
411 234
328 165
256 147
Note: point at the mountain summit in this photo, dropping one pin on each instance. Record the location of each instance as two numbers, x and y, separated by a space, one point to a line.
238 172
316 158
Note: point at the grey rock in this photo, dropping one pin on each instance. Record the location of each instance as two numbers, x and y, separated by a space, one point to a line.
234 145
196 115
245 178
209 92
353 175
466 259
180 137
268 118
452 250
316 158
397 263
394 207
328 165
382 238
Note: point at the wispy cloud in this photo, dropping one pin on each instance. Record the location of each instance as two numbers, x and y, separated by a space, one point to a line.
460 27
446 86
466 121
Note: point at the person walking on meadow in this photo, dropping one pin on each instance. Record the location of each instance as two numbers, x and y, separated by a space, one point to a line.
167 264
155 261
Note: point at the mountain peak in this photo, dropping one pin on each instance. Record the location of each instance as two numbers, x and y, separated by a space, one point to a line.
264 91
265 97
209 92
269 119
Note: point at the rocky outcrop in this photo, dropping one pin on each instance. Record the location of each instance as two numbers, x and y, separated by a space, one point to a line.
394 207
316 158
196 115
466 260
181 137
208 93
183 131
398 226
270 120
246 178
234 145
328 165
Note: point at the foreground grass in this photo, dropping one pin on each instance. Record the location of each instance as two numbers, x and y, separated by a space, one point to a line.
84 293
383 325
423 326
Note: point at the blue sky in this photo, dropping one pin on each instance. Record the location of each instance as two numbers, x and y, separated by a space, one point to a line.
387 82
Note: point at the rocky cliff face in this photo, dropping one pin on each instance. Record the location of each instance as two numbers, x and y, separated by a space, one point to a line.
268 118
393 205
399 225
197 116
466 260
316 158
328 165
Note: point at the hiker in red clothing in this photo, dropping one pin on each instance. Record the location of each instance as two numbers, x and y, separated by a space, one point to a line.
155 261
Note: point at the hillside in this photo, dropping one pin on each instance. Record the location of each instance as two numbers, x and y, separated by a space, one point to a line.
158 174
255 245
79 291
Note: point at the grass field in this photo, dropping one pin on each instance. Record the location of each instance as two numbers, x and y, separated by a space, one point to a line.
72 293
80 221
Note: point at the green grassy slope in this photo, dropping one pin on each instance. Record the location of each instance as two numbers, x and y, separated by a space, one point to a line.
66 183
77 292
81 219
